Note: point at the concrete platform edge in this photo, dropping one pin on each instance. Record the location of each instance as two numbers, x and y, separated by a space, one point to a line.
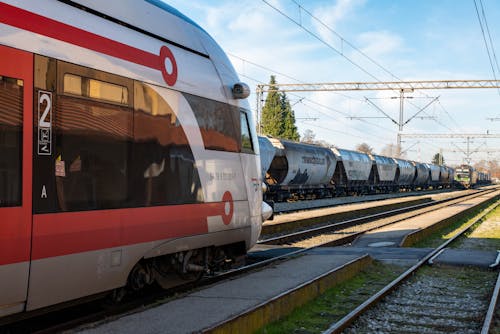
414 237
283 304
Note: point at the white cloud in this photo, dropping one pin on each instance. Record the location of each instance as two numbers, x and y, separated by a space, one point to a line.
330 16
377 44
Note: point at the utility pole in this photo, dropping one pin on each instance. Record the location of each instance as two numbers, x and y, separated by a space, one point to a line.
260 100
467 156
402 92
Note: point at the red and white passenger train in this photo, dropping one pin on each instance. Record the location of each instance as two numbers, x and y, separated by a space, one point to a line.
126 151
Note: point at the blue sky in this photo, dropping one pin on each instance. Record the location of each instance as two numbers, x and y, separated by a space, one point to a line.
412 40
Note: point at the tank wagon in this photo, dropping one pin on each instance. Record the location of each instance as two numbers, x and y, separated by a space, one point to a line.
446 178
405 174
353 173
302 171
298 170
434 174
422 175
129 155
384 174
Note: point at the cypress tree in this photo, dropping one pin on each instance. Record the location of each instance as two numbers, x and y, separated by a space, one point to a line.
278 118
271 112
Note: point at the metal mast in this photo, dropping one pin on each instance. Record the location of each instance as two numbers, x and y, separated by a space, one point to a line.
401 86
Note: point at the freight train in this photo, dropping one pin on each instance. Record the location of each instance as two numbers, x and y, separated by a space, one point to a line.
302 171
128 154
467 177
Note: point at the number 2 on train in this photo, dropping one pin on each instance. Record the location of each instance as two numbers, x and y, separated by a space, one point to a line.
44 123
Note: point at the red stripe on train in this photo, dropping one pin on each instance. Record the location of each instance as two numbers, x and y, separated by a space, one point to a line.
29 21
66 233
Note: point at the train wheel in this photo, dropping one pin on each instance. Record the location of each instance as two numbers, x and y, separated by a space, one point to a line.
180 268
140 276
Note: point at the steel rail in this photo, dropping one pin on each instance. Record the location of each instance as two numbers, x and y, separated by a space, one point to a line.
351 222
353 315
488 320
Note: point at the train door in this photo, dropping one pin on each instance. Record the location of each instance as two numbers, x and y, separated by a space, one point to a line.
16 120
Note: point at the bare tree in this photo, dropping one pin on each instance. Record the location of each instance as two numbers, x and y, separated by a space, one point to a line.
390 150
308 137
365 148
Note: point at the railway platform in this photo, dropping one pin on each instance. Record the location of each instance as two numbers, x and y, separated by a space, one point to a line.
201 310
468 257
411 230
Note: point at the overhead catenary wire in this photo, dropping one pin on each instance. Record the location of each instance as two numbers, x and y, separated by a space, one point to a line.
330 116
343 40
490 50
281 73
298 23
425 113
302 97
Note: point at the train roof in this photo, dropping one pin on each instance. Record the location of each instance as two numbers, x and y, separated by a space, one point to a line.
344 154
169 9
154 15
145 40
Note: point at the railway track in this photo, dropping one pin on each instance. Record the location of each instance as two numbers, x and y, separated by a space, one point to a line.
247 316
286 207
427 300
344 232
95 312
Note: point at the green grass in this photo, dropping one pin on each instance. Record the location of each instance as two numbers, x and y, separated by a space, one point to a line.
335 303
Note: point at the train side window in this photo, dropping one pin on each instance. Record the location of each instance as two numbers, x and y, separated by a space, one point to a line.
11 114
94 129
162 168
95 89
246 138
217 122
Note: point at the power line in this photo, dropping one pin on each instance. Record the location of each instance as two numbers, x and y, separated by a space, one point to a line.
341 53
484 39
364 121
321 40
449 115
281 73
301 97
328 115
342 132
489 35
343 41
